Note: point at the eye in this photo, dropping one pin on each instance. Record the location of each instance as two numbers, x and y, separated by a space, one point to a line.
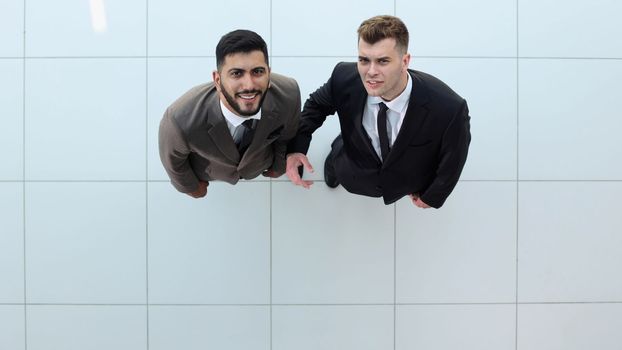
259 71
363 60
236 73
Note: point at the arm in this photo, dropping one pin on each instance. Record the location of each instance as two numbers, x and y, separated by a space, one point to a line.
174 153
319 105
454 150
289 131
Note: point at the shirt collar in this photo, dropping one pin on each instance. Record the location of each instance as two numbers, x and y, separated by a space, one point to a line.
236 120
398 104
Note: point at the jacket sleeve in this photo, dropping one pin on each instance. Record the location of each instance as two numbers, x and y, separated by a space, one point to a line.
289 132
174 153
318 106
453 155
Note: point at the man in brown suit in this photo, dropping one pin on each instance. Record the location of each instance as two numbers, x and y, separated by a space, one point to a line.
236 127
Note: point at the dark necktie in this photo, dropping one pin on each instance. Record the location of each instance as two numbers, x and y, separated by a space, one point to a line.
247 135
382 130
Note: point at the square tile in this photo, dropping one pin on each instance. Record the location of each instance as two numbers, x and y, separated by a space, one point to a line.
96 128
87 327
323 19
169 78
568 120
311 74
569 326
194 27
209 327
576 28
85 243
460 28
449 327
463 252
343 327
13 328
86 28
492 153
569 241
12 118
211 250
335 247
12 28
12 247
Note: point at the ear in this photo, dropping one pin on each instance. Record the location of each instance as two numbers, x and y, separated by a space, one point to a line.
216 79
406 60
270 80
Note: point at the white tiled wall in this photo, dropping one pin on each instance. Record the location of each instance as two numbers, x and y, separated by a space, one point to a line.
98 251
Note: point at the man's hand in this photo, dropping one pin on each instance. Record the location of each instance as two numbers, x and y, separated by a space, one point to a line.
201 191
418 202
294 160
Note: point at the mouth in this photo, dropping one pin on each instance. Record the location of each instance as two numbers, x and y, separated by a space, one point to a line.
248 96
373 84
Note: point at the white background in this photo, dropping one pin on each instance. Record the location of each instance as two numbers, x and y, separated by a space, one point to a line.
98 251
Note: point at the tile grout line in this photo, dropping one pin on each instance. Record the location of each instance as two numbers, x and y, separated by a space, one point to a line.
517 175
394 249
147 315
394 276
271 323
322 56
24 174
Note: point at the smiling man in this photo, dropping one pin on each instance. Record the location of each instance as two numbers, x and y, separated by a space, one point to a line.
236 127
403 132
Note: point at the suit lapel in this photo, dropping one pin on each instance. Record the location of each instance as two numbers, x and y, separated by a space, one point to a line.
218 130
416 115
357 108
268 124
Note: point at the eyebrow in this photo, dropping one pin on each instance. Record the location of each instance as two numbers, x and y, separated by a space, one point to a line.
243 70
379 58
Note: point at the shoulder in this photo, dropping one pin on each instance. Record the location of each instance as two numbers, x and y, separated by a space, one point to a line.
190 109
345 71
191 98
283 85
437 92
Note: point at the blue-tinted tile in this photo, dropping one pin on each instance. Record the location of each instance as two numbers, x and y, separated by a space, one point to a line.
334 247
96 129
209 327
12 118
12 247
87 327
86 28
210 250
460 28
194 27
86 243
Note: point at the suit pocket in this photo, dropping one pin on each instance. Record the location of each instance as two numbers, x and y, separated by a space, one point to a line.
420 143
275 134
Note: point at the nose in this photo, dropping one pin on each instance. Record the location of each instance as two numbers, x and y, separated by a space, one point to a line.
373 69
247 82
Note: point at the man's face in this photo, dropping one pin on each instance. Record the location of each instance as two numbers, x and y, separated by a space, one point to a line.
382 68
242 82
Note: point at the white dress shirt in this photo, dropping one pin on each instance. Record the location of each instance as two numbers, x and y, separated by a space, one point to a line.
234 122
395 115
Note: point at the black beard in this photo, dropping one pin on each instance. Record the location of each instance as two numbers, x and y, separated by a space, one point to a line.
236 106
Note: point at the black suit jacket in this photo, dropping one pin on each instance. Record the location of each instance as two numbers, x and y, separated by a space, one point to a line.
428 154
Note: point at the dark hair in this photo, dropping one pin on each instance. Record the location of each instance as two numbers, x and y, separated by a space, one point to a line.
383 27
239 41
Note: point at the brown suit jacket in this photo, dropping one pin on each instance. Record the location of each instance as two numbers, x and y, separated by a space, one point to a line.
195 142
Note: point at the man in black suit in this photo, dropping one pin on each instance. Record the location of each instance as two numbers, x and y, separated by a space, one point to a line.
403 132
